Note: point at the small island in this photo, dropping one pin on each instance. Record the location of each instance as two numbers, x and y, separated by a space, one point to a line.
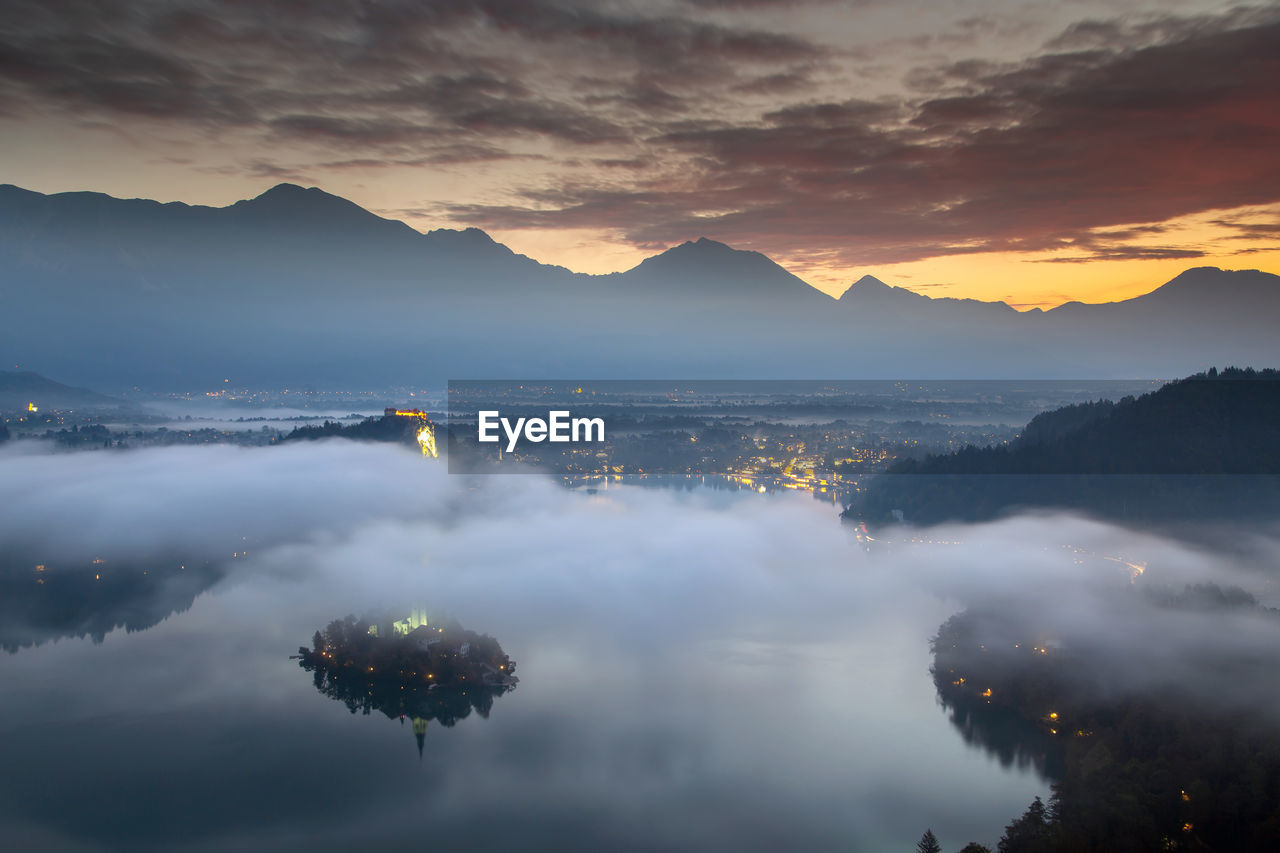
412 668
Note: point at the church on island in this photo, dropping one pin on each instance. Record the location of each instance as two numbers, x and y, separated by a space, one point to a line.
416 619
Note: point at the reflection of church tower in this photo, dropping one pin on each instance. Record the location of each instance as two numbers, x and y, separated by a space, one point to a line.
420 731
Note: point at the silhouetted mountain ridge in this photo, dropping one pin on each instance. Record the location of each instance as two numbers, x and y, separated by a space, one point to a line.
298 284
312 208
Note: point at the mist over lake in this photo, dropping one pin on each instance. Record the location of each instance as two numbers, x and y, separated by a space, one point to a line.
695 668
598 425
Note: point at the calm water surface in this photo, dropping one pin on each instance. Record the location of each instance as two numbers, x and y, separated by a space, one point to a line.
686 713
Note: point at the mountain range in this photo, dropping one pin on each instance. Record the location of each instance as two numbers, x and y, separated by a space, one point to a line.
301 286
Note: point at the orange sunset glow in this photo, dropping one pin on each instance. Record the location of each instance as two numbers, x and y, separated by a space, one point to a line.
1028 153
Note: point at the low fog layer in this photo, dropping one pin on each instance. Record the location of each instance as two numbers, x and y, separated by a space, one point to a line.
376 526
738 663
205 502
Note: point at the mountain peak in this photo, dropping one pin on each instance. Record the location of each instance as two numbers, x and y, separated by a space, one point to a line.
1203 286
702 248
472 236
18 388
312 207
287 197
708 243
284 189
710 267
704 253
869 282
870 288
1203 278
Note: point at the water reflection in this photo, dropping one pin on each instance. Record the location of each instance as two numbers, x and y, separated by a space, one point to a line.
45 601
746 680
980 666
1170 764
412 668
1000 732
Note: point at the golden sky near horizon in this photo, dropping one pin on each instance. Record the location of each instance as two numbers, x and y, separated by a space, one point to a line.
1024 280
1029 152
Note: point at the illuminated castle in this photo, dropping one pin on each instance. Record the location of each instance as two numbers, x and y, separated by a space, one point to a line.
426 433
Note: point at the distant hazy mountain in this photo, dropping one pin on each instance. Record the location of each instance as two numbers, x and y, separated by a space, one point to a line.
707 269
985 339
870 295
18 389
300 286
1223 317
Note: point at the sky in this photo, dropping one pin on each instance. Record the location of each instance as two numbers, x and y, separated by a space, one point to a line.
1033 152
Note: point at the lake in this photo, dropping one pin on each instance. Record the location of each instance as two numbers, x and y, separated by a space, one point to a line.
695 674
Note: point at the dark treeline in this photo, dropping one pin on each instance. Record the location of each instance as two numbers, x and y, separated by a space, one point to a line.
90 435
1208 445
403 430
1131 771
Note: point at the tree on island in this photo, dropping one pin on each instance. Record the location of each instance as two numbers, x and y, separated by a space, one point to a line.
387 428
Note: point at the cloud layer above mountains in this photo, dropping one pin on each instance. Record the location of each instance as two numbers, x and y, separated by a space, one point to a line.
817 132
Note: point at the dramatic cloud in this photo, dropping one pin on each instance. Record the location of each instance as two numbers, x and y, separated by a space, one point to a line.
1126 253
1022 157
384 75
778 126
